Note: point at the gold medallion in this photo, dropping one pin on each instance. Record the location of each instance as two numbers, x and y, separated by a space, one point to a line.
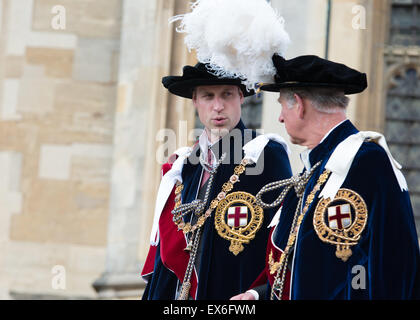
341 221
237 219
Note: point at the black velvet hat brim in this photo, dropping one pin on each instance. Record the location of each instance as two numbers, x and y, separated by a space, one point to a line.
184 88
198 75
275 87
312 71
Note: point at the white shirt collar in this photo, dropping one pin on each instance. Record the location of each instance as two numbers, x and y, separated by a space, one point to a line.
205 144
304 156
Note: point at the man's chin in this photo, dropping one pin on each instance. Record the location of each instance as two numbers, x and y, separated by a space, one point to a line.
219 131
296 141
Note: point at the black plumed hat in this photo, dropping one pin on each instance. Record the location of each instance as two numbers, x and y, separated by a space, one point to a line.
312 71
198 75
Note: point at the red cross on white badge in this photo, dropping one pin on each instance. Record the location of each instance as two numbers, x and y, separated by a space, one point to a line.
237 216
339 217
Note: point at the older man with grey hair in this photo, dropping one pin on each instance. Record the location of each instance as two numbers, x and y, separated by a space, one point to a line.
346 228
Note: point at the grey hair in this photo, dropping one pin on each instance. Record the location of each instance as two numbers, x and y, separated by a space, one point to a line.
326 100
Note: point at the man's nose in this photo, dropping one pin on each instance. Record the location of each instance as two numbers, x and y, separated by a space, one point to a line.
218 105
281 119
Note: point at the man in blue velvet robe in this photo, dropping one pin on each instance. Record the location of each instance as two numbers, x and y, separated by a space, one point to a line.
353 233
229 252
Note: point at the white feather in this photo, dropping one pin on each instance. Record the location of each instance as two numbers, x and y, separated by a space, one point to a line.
236 37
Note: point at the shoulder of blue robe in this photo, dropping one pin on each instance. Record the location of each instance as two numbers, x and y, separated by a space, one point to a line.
385 262
268 152
253 148
390 243
274 162
340 161
275 158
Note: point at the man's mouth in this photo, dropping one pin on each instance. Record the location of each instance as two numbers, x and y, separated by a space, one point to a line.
219 120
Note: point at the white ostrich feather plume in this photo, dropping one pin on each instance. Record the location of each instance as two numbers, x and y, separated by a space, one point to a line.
236 37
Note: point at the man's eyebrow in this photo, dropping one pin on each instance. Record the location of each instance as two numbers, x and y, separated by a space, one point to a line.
230 90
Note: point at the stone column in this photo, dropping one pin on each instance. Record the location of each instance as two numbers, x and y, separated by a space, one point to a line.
370 109
167 112
142 103
136 71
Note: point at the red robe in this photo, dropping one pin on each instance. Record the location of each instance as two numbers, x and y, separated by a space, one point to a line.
265 275
178 262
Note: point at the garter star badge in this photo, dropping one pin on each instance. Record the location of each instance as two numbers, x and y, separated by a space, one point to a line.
237 219
341 221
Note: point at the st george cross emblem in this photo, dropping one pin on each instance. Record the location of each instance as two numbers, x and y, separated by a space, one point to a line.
341 221
237 216
339 217
237 219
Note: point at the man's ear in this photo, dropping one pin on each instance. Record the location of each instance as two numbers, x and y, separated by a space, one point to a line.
301 107
241 95
194 98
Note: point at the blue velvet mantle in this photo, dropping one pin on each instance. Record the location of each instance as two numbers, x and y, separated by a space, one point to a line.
388 250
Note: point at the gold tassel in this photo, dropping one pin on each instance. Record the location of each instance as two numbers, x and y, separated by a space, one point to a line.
185 291
188 248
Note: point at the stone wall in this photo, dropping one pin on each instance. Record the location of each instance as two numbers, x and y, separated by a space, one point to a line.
81 104
57 99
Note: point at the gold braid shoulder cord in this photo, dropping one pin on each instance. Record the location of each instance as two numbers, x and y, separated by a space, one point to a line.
197 206
299 183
